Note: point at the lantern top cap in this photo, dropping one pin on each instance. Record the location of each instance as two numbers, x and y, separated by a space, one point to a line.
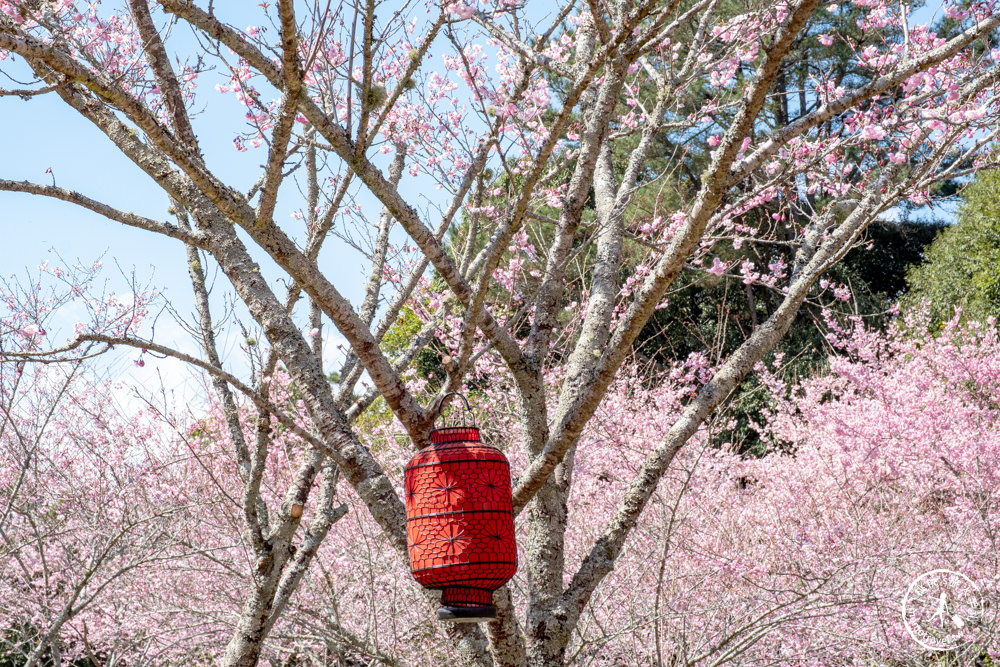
455 434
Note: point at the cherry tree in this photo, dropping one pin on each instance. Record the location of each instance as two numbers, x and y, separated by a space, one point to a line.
89 514
542 134
883 470
85 491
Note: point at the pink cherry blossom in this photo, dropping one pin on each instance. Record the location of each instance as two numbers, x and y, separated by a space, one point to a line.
461 10
874 132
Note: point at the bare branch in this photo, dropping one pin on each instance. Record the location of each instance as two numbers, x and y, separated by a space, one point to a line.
159 62
273 175
138 343
131 219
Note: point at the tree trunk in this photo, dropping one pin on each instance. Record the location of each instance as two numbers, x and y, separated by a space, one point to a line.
244 648
251 630
546 632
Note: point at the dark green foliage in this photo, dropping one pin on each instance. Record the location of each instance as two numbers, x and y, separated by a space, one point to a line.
715 315
15 645
894 249
962 265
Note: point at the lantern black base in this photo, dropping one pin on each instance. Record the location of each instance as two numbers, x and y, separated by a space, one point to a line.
467 614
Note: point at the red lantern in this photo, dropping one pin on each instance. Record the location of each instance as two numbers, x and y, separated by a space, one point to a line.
460 522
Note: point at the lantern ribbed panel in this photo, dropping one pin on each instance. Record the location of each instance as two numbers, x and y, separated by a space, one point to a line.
459 518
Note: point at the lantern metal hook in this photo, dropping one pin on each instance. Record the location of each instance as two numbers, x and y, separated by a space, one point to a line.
466 414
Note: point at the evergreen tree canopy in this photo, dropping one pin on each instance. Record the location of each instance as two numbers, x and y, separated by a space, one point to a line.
960 266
